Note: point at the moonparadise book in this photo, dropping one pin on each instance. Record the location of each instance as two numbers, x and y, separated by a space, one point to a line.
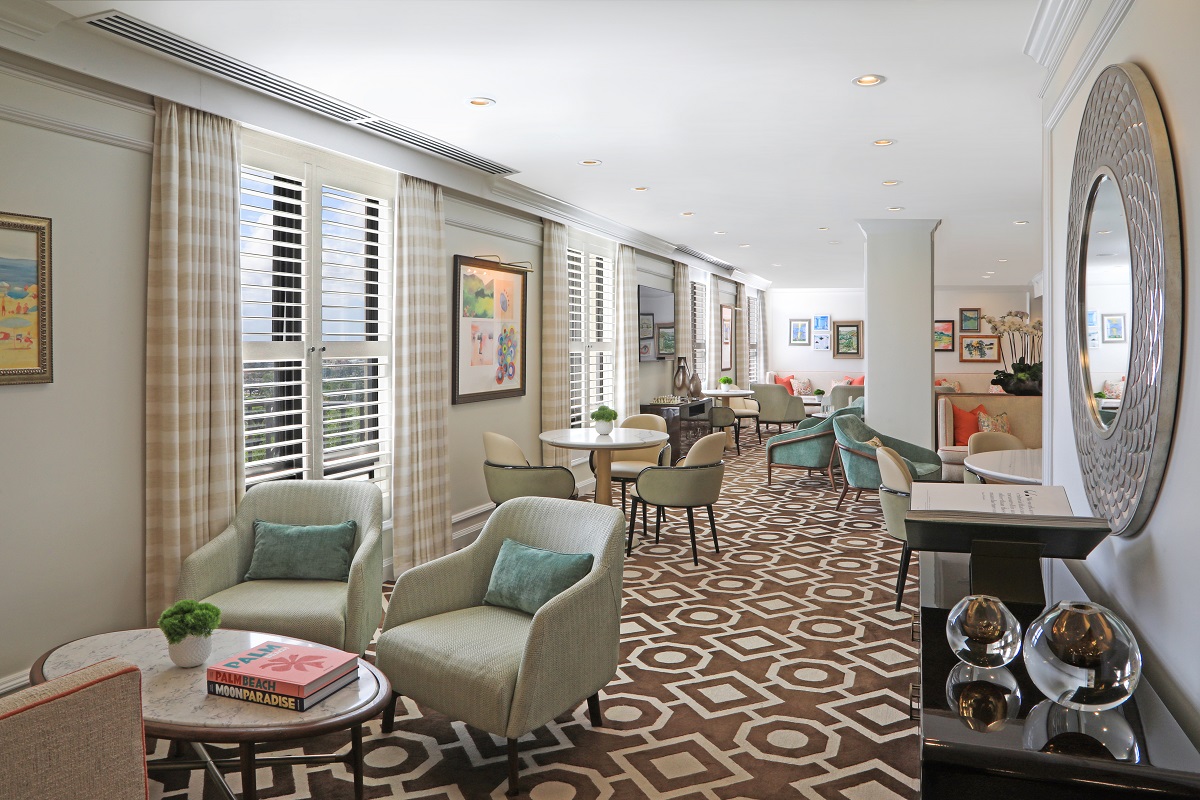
286 701
295 670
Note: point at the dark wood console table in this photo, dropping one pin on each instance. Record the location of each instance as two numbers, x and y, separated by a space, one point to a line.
676 414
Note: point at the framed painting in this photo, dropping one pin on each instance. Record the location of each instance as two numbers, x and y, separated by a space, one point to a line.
1093 340
25 351
799 332
969 319
645 326
665 339
1091 319
820 341
847 339
489 330
978 348
726 338
943 335
820 323
1112 327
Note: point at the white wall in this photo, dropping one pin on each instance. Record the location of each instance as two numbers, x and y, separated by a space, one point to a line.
71 543
1150 579
803 361
1109 361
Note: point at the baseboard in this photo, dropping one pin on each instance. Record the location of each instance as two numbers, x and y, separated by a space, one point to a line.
18 680
466 525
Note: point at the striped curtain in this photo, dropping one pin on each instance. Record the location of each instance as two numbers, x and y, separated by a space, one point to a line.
741 338
421 478
683 317
628 367
764 325
194 454
714 332
556 379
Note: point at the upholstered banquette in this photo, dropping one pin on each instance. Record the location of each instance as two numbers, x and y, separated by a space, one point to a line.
1023 414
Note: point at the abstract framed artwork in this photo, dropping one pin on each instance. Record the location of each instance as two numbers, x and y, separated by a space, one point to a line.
943 335
847 339
820 323
1093 338
645 326
978 348
820 341
1112 327
489 330
969 319
665 339
800 332
726 338
1091 319
25 347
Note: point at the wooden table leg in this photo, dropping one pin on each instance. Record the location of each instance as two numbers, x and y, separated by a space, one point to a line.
356 756
249 784
604 477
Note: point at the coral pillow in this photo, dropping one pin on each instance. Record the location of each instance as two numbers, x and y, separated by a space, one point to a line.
861 380
996 423
801 387
966 423
786 382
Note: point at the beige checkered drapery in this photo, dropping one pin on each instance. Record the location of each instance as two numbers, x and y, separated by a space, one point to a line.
421 477
628 366
556 383
194 454
683 318
741 338
714 332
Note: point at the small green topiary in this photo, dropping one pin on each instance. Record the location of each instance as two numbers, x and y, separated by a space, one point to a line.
604 414
818 392
725 380
1101 395
189 618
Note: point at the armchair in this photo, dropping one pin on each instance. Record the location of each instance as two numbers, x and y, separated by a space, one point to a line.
895 496
498 669
333 613
507 473
855 443
811 446
842 395
776 406
695 482
42 755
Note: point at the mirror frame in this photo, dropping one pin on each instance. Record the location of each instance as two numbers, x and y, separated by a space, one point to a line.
1123 134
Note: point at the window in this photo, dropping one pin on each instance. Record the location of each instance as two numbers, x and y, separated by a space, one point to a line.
591 281
699 328
316 323
754 329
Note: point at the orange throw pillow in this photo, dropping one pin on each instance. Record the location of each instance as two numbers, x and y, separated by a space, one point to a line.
861 380
966 423
786 383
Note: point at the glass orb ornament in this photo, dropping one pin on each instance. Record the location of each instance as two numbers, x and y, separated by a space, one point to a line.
985 698
1051 728
1082 656
983 632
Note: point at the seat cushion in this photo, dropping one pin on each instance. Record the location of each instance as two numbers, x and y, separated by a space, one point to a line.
952 455
312 610
630 469
927 472
462 663
742 413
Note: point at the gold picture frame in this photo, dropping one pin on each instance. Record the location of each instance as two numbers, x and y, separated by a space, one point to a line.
25 346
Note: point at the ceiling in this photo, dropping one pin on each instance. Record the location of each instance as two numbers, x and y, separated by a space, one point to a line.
741 111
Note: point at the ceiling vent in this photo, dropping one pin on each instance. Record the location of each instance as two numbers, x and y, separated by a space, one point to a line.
160 41
705 257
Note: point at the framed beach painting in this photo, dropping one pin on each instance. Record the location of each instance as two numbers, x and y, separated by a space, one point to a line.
25 299
847 339
978 348
820 341
943 335
799 332
726 338
820 322
489 331
1112 327
665 341
968 320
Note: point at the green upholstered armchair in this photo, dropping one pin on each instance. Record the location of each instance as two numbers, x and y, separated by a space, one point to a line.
776 406
811 446
507 473
498 669
333 613
860 465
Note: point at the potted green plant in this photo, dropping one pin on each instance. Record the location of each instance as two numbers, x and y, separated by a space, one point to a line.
818 392
1099 395
188 626
604 417
725 382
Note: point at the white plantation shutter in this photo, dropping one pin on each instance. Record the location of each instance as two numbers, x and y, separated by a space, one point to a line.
591 323
699 330
753 335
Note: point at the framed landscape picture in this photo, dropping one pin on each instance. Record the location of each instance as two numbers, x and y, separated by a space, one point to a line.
1112 327
666 339
726 338
25 300
820 323
978 348
969 319
645 326
943 335
848 339
489 331
799 332
820 341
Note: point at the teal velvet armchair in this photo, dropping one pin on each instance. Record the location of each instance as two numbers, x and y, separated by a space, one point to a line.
860 464
811 446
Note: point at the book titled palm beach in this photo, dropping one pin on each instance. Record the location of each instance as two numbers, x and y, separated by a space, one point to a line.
292 676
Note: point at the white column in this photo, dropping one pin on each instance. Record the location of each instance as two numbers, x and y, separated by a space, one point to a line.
898 335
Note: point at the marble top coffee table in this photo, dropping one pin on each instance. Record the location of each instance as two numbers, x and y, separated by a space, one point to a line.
176 704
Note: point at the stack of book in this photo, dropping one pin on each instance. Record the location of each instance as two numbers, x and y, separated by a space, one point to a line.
291 676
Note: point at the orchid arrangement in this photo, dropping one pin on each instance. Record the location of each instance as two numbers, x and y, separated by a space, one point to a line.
1024 346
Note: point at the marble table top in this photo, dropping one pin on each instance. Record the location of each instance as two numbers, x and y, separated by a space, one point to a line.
588 439
179 697
728 393
1009 466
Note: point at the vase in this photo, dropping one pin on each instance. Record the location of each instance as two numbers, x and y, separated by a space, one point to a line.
695 389
1051 728
682 380
985 699
1012 385
983 632
1082 656
603 427
191 652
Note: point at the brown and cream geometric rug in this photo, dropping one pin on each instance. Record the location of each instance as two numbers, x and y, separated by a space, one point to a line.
775 669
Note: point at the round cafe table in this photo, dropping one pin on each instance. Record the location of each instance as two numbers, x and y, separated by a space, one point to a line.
722 396
588 439
1007 466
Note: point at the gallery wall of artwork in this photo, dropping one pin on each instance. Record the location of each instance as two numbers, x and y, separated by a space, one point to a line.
800 331
955 354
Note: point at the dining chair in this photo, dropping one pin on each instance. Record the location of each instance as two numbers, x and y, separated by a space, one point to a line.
694 483
632 462
722 417
776 407
743 408
988 442
895 496
507 473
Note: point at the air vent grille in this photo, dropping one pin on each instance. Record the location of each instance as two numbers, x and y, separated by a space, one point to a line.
705 257
260 80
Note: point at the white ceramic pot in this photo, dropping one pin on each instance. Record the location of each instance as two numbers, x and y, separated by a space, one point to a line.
603 427
191 652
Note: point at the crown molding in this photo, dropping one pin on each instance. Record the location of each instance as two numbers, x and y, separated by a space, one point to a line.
1053 27
30 19
71 129
1087 61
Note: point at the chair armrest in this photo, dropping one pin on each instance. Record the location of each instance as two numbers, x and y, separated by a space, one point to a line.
912 452
450 583
795 437
212 568
364 593
664 455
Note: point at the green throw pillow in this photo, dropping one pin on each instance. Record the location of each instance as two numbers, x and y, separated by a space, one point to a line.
526 578
302 552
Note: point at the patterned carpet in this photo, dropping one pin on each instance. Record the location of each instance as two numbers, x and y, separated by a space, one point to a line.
775 669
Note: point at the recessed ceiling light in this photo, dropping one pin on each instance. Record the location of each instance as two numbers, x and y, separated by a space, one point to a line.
991 272
743 245
823 229
591 162
869 80
719 233
687 213
883 142
891 183
1020 222
895 208
835 242
777 265
1002 260
1103 232
641 188
987 276
480 102
1106 255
